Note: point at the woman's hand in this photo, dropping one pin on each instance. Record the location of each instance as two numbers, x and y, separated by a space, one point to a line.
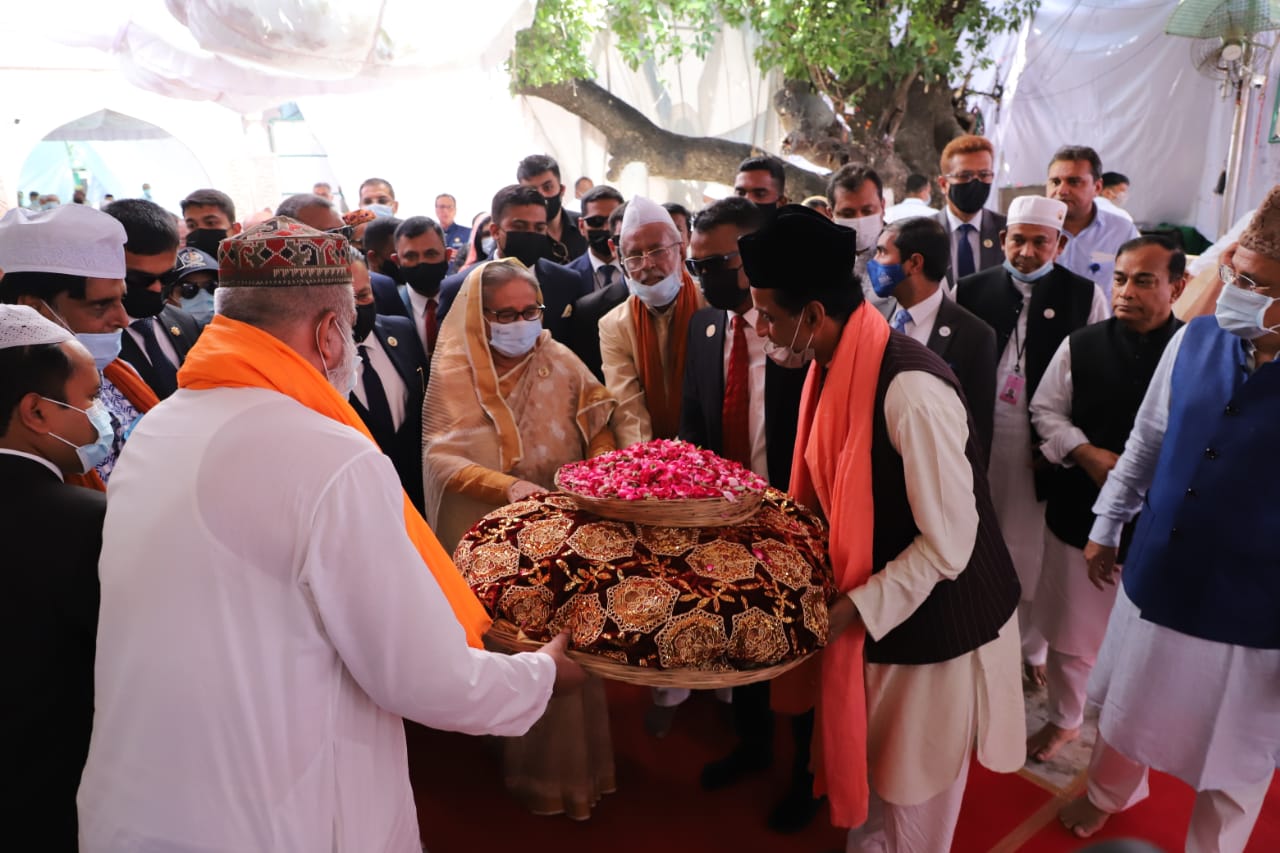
521 489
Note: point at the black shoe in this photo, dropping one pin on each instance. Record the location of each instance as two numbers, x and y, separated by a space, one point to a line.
794 812
733 768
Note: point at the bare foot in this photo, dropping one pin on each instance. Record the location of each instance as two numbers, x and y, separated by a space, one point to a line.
1044 744
1082 817
1034 674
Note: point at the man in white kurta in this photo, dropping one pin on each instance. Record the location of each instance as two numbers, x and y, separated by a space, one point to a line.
266 622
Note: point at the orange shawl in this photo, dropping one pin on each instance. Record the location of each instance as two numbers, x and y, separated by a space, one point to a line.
231 354
662 389
137 392
832 464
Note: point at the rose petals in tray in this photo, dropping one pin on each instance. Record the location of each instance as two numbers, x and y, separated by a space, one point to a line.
661 469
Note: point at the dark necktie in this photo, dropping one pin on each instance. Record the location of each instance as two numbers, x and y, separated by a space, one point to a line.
607 272
429 325
964 252
734 417
377 415
165 375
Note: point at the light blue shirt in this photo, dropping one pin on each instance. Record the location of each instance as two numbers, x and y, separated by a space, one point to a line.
1092 252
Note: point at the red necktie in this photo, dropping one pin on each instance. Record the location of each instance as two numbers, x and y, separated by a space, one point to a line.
735 431
429 325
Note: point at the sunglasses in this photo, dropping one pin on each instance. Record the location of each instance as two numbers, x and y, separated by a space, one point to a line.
596 222
190 289
139 280
712 264
345 231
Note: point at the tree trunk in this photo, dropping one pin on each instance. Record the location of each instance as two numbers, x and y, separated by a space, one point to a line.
632 138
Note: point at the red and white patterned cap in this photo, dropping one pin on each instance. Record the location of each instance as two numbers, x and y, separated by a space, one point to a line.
283 252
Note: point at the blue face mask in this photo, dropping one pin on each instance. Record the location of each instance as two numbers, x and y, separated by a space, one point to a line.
514 339
884 277
1028 277
657 295
200 306
91 455
380 210
1243 312
103 346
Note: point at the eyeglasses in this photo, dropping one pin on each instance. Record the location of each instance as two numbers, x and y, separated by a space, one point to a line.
139 280
711 264
596 222
986 176
635 263
345 231
1231 278
191 289
510 315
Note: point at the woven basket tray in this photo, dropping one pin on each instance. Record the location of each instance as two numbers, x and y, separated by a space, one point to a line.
694 512
505 636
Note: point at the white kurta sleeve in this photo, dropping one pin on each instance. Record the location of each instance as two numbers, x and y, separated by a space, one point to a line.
1126 486
1100 308
1051 409
928 426
393 627
631 421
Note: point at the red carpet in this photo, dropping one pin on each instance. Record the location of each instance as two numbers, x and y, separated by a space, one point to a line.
660 807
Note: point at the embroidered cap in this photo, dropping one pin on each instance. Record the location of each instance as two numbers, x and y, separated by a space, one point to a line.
1037 210
1263 234
72 239
283 252
21 326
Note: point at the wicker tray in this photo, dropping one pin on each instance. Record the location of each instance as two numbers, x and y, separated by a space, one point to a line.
695 512
505 636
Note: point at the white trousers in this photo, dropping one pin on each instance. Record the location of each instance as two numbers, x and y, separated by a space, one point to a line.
668 697
1221 821
924 828
1068 677
1034 646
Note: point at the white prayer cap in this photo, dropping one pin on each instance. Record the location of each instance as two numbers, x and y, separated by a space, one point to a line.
1037 210
72 239
642 211
21 326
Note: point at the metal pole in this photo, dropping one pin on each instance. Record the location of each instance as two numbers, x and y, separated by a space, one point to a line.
1234 156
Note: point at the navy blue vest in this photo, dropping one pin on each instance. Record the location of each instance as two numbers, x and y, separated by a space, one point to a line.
1204 561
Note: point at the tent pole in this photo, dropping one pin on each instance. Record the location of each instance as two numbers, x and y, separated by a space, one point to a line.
1234 156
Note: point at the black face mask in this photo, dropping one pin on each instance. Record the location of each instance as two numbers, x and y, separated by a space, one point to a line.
553 206
527 247
599 242
207 239
970 197
392 271
365 315
425 278
140 302
721 289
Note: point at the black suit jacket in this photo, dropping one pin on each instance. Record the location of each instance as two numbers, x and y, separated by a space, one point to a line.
386 296
400 340
968 346
582 266
560 285
990 251
575 245
52 534
703 396
584 325
178 326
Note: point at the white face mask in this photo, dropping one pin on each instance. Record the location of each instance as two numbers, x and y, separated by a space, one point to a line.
788 356
343 375
657 295
516 338
868 229
1242 312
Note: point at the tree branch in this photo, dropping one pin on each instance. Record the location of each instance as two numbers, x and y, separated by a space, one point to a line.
632 138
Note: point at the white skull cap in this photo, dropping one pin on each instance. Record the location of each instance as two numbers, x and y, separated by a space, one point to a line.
643 211
21 326
72 239
1037 210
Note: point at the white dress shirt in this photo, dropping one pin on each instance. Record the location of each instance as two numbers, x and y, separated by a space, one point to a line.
397 392
923 316
162 338
907 208
598 276
755 385
418 307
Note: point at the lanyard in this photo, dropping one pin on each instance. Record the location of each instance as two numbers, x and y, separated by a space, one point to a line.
1021 347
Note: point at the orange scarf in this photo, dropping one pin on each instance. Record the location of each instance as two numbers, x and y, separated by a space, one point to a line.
662 389
231 354
140 396
832 464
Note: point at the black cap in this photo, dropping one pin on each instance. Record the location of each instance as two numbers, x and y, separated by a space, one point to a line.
799 249
193 260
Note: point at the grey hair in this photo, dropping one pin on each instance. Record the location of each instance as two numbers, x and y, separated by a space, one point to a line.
277 308
295 204
496 275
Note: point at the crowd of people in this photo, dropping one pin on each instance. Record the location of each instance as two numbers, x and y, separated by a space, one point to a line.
238 455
